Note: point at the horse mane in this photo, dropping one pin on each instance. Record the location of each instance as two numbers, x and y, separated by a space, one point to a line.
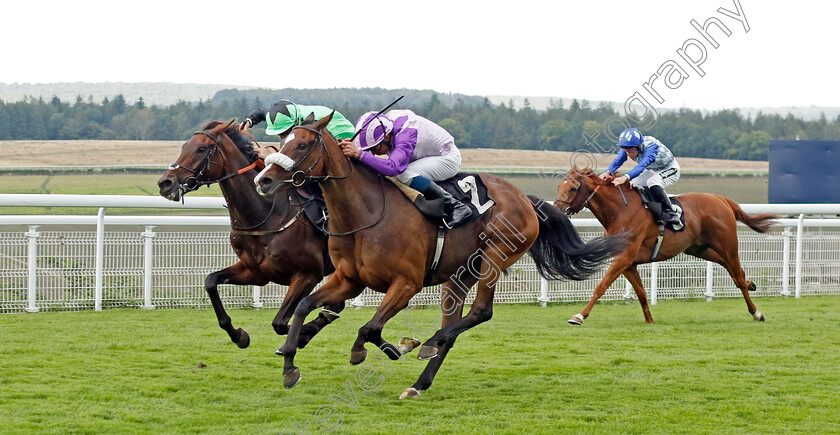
586 171
240 139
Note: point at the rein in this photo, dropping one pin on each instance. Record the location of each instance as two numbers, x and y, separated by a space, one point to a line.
300 177
193 183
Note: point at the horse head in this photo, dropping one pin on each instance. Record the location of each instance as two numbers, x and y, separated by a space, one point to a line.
300 159
577 188
212 154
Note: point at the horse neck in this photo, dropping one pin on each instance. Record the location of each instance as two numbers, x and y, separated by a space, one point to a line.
608 204
353 193
245 205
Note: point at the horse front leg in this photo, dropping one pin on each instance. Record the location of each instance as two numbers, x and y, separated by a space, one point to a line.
396 298
336 290
617 267
238 274
632 275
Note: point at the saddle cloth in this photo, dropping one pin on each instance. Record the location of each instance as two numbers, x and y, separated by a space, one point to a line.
656 209
467 188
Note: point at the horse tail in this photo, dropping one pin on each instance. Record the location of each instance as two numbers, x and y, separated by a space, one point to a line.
560 253
760 223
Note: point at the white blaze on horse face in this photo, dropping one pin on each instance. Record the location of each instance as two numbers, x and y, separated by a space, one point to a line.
281 159
260 175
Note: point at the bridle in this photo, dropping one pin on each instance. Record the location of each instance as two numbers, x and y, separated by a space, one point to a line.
300 177
578 203
193 183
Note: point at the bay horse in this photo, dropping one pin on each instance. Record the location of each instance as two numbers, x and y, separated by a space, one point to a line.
710 232
272 238
380 240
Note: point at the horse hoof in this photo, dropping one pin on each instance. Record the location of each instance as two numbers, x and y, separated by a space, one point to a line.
409 392
427 352
358 356
244 339
279 351
758 316
391 351
407 344
292 378
751 287
577 319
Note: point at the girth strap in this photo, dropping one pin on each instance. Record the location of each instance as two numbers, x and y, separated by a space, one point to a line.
658 245
430 274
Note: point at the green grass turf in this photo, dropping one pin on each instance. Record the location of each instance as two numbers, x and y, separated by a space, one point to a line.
702 368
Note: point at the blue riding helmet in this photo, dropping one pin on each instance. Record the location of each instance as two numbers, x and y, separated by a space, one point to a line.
630 137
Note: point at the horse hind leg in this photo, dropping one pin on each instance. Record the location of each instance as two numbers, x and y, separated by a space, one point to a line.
452 307
730 261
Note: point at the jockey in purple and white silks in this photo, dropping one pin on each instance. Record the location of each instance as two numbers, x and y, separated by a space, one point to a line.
656 169
419 152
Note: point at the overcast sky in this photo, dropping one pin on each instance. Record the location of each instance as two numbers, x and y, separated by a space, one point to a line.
598 50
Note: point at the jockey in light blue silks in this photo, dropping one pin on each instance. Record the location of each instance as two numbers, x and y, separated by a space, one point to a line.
656 169
419 152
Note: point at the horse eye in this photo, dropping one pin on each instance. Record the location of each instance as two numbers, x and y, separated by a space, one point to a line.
573 189
301 146
201 150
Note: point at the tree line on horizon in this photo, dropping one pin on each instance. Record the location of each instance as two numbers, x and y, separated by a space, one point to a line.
473 121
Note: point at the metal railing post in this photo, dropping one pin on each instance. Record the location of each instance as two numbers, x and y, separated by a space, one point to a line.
257 296
32 277
786 262
710 277
628 291
100 258
798 273
654 285
148 235
543 299
358 302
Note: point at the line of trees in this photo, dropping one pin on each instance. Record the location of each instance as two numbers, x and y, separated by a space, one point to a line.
475 122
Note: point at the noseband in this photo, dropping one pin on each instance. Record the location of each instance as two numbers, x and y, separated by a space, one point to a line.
301 177
193 183
578 203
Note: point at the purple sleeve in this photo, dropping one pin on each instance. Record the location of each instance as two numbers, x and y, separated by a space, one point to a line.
647 158
397 161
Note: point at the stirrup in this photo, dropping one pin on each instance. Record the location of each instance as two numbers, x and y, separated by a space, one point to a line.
671 218
457 217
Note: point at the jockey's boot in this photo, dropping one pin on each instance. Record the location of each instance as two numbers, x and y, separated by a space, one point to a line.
455 210
669 215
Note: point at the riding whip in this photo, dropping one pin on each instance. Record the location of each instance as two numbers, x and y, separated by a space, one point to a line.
377 114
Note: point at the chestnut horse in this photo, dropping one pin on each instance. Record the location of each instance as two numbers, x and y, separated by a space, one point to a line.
273 239
710 232
380 240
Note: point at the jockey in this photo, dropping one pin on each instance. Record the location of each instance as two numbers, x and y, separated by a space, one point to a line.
419 151
656 168
284 114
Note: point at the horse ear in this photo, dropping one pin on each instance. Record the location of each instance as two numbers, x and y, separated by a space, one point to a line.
221 128
310 118
322 123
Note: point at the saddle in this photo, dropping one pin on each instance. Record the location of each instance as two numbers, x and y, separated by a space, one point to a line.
464 187
311 199
656 209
